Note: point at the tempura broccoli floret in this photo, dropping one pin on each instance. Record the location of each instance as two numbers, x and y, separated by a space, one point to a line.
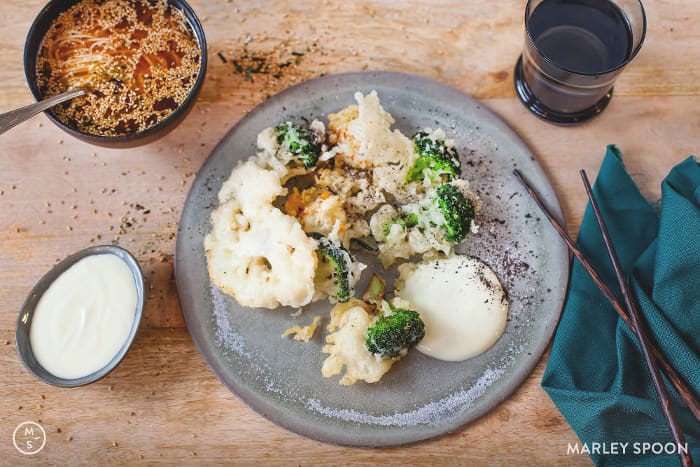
337 271
445 208
300 142
404 219
457 210
436 162
394 332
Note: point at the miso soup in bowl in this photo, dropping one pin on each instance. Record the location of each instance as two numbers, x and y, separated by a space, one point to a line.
141 62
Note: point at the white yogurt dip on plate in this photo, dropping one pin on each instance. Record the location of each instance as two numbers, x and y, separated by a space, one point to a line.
462 303
85 316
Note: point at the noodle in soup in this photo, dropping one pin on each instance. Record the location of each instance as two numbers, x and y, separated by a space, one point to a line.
138 61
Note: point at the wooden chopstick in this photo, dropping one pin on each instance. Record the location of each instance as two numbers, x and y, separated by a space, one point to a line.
685 393
633 312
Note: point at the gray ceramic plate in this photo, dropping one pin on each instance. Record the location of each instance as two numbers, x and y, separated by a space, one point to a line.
420 397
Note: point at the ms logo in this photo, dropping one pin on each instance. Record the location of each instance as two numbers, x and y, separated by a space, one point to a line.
29 438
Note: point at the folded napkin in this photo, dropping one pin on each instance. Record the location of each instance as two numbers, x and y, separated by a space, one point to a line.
596 373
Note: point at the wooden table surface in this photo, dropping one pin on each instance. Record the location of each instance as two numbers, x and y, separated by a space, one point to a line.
163 404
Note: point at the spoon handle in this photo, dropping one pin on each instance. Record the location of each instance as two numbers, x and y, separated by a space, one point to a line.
17 116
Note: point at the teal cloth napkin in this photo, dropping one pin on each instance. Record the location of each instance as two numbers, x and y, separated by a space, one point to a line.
596 373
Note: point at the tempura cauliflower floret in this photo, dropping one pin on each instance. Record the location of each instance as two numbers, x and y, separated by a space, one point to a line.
303 333
326 216
338 128
320 210
364 137
251 186
354 186
369 154
346 346
256 253
369 158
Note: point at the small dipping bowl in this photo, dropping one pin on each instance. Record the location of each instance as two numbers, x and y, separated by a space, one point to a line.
35 37
24 322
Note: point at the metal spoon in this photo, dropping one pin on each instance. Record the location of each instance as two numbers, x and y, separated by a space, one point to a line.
15 117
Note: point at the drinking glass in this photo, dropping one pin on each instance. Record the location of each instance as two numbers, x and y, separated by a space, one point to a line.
574 50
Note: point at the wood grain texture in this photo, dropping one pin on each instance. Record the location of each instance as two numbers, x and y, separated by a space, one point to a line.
163 404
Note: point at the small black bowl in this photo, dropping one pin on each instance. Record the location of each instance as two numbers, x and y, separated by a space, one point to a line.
24 321
36 34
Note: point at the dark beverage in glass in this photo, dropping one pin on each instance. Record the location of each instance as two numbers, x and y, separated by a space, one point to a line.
574 50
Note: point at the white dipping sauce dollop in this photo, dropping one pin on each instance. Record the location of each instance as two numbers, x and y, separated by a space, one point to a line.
84 317
461 302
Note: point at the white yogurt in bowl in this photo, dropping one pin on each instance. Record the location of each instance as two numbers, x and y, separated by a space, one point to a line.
81 317
84 317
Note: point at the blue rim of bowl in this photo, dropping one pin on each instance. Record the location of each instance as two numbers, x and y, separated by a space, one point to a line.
24 320
30 55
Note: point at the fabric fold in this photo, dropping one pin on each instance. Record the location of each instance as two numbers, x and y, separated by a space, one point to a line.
596 373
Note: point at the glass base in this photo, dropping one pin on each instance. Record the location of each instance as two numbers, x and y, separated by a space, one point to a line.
528 98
